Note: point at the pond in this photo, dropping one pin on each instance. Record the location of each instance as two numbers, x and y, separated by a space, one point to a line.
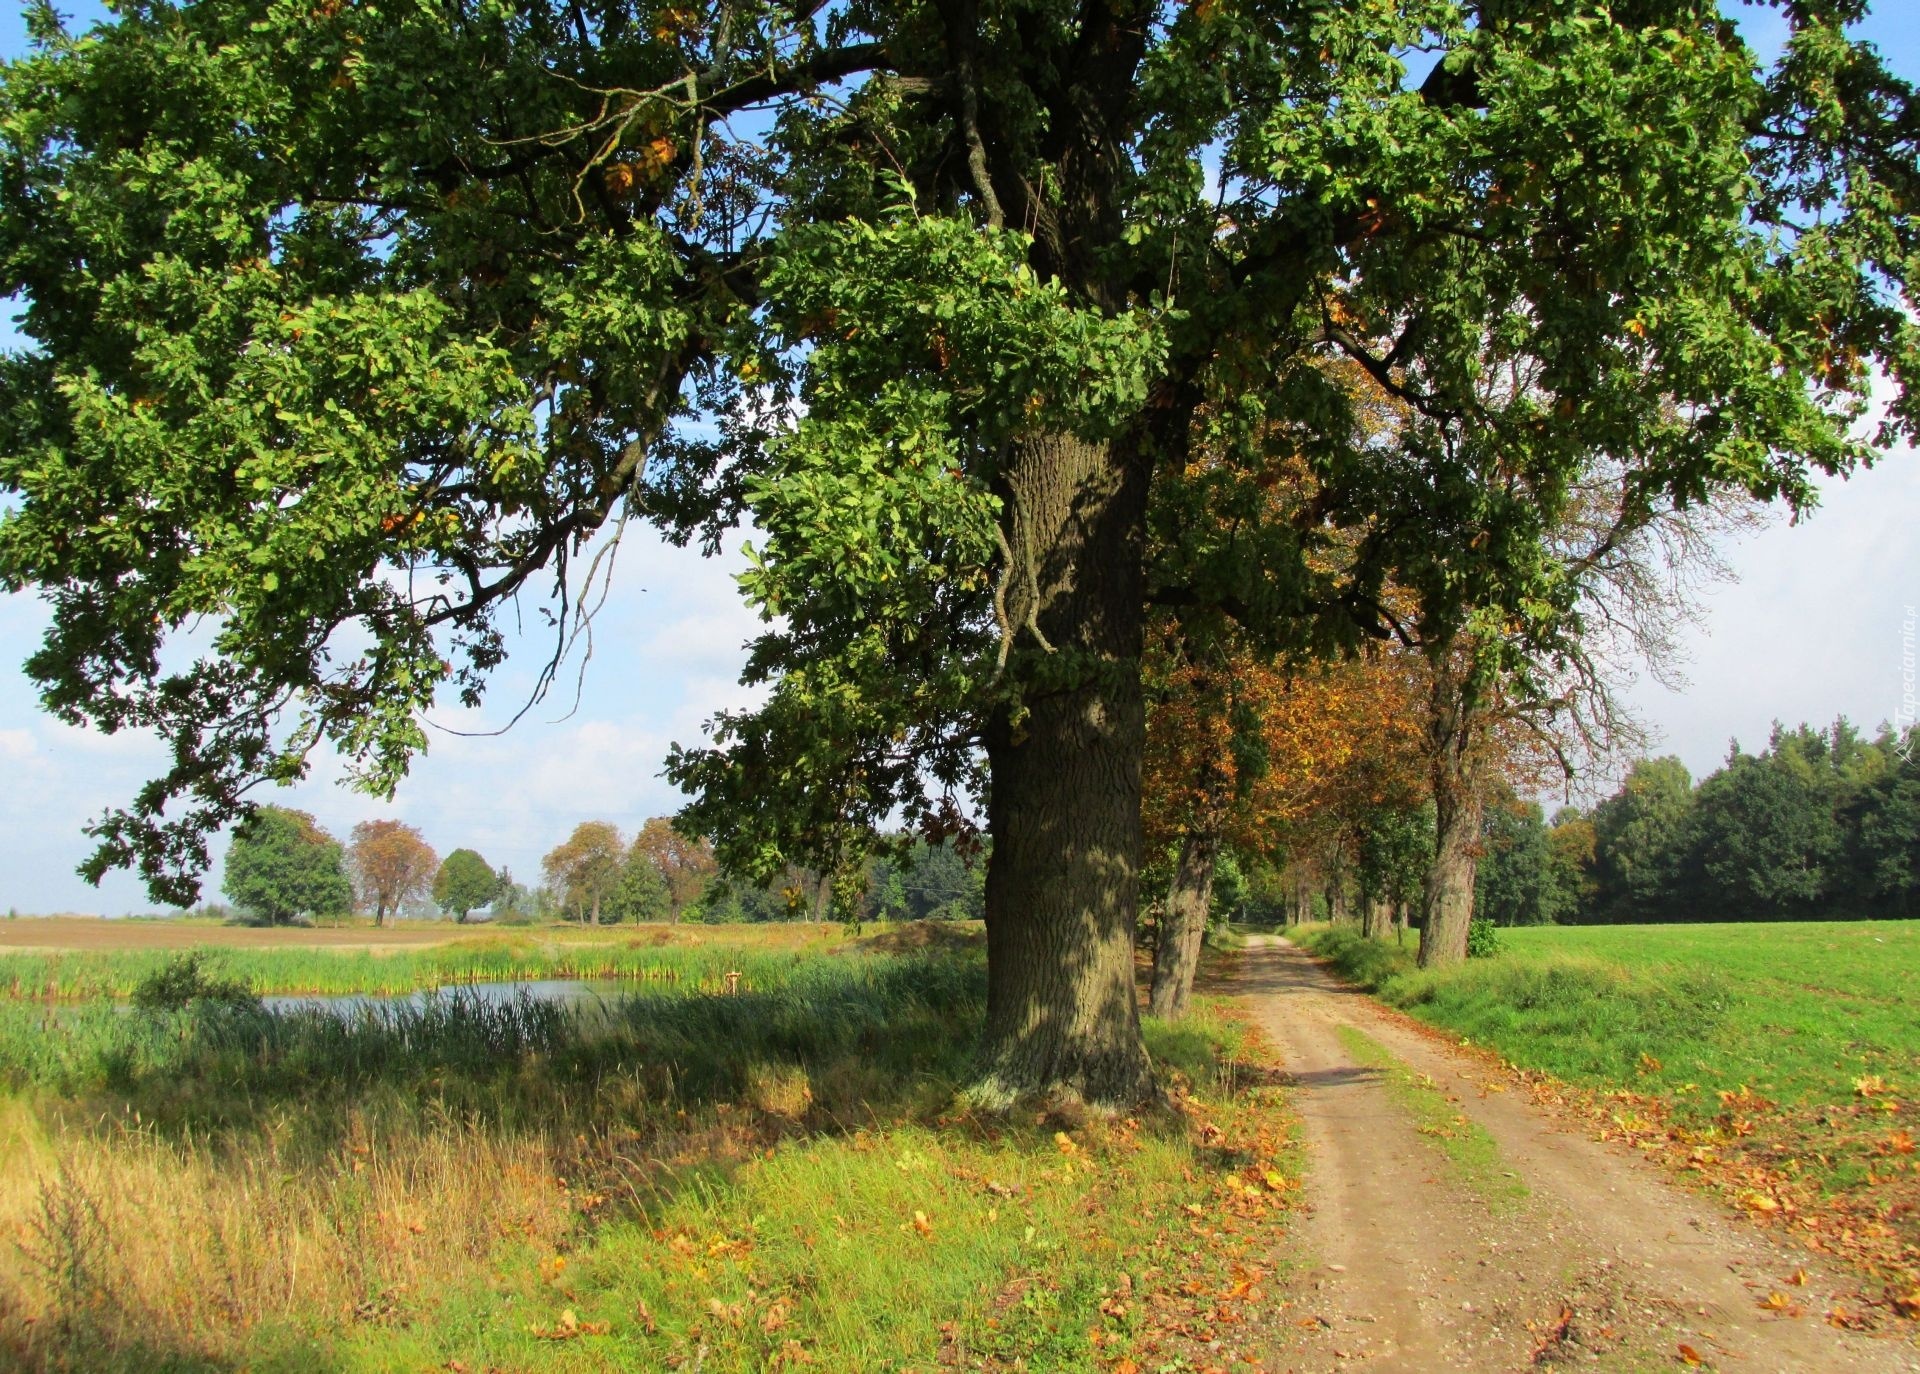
571 992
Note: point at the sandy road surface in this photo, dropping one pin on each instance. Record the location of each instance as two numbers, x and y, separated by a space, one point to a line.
1407 1269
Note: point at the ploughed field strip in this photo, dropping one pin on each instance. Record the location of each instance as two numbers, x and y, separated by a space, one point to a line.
1494 1236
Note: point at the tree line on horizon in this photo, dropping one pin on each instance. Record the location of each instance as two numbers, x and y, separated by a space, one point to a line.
1819 824
283 865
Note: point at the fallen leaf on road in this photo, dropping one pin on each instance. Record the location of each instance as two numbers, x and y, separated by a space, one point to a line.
1688 1355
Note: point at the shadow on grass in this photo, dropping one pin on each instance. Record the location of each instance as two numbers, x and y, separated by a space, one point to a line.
838 1042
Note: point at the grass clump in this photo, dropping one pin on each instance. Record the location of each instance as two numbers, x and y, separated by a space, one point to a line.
186 979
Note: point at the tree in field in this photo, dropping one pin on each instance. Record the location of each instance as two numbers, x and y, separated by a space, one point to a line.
641 894
389 862
685 864
584 870
321 294
465 881
281 864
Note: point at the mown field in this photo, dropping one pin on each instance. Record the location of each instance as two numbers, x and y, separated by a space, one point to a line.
1778 1062
780 1178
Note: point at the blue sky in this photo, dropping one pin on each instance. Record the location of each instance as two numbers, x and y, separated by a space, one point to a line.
1810 630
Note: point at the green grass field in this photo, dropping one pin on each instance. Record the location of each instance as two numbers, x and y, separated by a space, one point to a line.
769 1180
1780 1061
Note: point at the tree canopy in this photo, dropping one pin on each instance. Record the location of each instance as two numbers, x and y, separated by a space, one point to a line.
390 862
584 869
350 324
281 864
464 881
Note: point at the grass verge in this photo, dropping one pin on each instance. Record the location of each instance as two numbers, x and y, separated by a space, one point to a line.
1469 1149
767 1181
1775 1062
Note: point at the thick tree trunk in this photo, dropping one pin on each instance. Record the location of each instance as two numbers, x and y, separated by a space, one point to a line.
1447 907
1183 925
1063 1016
1379 919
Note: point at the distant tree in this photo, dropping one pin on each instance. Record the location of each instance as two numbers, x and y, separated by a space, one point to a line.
731 898
1250 758
1515 882
1570 851
281 864
1640 841
1763 835
1392 858
511 899
585 869
465 881
390 862
1882 819
641 893
686 863
927 882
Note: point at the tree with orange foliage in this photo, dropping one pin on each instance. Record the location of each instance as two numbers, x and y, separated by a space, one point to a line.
390 862
1259 758
685 862
585 868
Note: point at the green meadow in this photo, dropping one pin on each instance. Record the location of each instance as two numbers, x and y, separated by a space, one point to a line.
1797 1012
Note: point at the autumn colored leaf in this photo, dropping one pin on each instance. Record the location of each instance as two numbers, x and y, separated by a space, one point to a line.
1690 1356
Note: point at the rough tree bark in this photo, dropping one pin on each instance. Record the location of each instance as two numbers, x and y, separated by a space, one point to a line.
1063 1018
1183 924
1447 905
1378 919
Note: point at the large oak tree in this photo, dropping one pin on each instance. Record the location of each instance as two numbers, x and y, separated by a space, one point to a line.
354 323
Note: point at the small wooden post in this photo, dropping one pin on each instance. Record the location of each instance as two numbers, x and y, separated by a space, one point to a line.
733 983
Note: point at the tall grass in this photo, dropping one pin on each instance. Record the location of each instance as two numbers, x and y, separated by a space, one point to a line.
677 1179
83 974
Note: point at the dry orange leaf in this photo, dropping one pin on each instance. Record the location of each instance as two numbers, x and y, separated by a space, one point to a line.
1688 1355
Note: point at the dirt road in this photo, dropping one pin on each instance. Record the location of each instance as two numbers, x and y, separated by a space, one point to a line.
1603 1264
